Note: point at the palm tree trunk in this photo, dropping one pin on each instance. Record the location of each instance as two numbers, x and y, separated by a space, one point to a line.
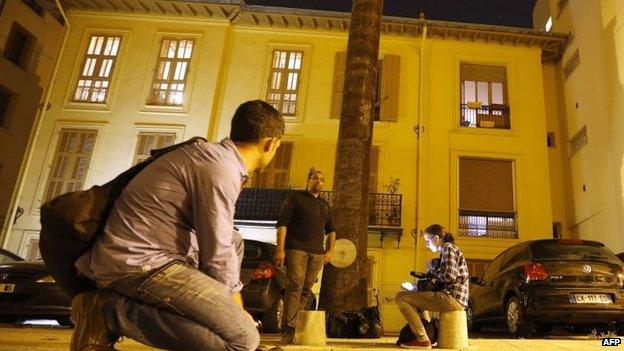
344 289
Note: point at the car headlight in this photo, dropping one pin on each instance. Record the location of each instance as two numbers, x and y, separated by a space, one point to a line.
48 279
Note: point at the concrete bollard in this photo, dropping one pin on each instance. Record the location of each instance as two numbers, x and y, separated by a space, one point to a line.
453 332
310 328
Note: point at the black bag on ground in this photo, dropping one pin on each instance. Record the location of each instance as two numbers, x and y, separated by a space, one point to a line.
406 334
365 323
71 222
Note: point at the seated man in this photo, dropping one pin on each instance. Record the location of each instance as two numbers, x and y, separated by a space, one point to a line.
452 273
167 261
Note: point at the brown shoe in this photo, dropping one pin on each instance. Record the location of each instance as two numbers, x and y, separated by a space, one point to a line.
90 331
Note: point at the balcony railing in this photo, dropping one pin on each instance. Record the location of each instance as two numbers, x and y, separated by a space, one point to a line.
487 224
264 205
485 116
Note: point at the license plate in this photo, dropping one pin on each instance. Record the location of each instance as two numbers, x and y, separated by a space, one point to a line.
591 298
7 288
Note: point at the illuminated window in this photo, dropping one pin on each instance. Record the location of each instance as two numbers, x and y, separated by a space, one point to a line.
71 161
284 81
483 91
171 72
97 69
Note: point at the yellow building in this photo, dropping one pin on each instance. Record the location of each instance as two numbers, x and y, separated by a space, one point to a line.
585 90
462 121
31 36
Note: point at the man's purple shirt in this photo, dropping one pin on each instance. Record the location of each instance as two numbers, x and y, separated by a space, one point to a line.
181 207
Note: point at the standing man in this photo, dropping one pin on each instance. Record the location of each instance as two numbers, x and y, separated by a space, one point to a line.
167 263
304 221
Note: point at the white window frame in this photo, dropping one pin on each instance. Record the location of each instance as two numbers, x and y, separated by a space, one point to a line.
70 104
100 127
510 64
139 128
300 105
183 109
27 237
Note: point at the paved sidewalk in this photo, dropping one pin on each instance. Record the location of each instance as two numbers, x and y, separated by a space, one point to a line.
53 339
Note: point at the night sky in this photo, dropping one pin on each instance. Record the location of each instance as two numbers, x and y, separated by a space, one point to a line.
512 13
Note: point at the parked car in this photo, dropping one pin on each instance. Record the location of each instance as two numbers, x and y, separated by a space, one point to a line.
536 284
263 293
28 291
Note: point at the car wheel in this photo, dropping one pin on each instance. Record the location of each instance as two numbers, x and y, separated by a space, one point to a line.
273 318
544 328
517 323
473 326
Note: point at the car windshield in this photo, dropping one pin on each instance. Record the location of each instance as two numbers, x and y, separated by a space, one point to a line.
554 251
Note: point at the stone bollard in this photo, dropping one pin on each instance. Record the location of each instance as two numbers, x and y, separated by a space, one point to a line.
453 332
310 328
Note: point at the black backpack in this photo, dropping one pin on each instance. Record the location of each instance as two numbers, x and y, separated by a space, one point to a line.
71 222
431 328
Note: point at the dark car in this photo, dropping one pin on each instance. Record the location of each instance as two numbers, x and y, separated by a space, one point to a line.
263 293
536 284
28 291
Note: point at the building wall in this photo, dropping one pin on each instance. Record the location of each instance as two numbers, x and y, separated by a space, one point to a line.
28 85
125 114
592 96
232 67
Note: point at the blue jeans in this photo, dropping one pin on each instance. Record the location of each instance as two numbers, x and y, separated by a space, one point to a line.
177 307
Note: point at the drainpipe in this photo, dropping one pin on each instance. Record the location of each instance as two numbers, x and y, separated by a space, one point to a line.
34 136
419 129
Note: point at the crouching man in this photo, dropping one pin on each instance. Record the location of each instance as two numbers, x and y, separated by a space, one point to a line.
167 263
452 273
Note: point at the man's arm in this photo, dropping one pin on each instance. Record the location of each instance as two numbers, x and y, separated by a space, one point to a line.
329 252
283 219
215 188
331 235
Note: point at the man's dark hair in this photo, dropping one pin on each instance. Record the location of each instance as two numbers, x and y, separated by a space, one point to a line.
254 120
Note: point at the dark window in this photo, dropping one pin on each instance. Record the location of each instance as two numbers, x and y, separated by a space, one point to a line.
35 6
5 100
550 139
494 268
555 251
18 45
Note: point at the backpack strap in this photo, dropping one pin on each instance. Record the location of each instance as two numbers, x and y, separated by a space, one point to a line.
156 153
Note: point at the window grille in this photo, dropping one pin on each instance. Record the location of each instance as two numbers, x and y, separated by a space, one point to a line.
284 81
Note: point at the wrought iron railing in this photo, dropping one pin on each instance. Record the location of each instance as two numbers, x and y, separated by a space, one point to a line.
486 116
264 205
487 224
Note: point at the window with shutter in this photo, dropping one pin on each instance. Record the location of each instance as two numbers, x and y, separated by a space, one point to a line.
148 141
484 96
277 174
71 161
387 92
97 69
486 198
171 72
284 81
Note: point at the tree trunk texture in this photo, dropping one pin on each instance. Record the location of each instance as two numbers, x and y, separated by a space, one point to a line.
344 289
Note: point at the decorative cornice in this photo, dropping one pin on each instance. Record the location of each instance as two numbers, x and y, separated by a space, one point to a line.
239 14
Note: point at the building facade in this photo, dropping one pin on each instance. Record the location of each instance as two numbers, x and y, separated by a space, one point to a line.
31 36
586 93
461 119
